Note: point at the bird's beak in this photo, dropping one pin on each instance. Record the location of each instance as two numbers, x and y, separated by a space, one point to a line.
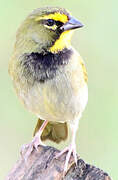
71 24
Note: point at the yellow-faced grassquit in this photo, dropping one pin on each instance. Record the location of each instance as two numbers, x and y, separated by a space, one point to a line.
49 76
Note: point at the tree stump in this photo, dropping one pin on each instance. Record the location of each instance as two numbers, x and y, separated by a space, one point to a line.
42 165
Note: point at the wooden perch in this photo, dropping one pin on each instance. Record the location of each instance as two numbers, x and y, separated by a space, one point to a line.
42 165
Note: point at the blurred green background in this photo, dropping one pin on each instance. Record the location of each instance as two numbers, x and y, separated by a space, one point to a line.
97 42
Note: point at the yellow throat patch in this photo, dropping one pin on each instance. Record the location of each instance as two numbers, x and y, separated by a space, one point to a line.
64 41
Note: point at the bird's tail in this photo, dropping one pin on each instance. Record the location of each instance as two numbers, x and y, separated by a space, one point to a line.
55 132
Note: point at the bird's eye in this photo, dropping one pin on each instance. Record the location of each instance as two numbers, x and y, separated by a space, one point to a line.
50 22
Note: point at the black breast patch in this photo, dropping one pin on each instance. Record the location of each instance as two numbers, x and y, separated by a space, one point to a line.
42 67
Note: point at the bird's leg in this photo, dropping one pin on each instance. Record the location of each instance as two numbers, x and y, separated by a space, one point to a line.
27 149
71 148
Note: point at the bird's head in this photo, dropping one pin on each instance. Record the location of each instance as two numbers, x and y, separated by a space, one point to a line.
46 29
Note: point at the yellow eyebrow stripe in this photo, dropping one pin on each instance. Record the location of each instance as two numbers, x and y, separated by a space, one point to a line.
56 16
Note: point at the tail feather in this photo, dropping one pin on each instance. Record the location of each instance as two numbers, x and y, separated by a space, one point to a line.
55 132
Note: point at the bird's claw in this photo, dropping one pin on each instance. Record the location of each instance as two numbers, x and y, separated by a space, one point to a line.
71 150
27 149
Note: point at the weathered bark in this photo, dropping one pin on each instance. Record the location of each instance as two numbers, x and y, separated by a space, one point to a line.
42 165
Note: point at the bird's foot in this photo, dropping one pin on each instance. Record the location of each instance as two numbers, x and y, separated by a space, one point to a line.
71 150
27 149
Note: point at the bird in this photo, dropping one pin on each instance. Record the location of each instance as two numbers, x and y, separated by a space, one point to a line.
49 76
